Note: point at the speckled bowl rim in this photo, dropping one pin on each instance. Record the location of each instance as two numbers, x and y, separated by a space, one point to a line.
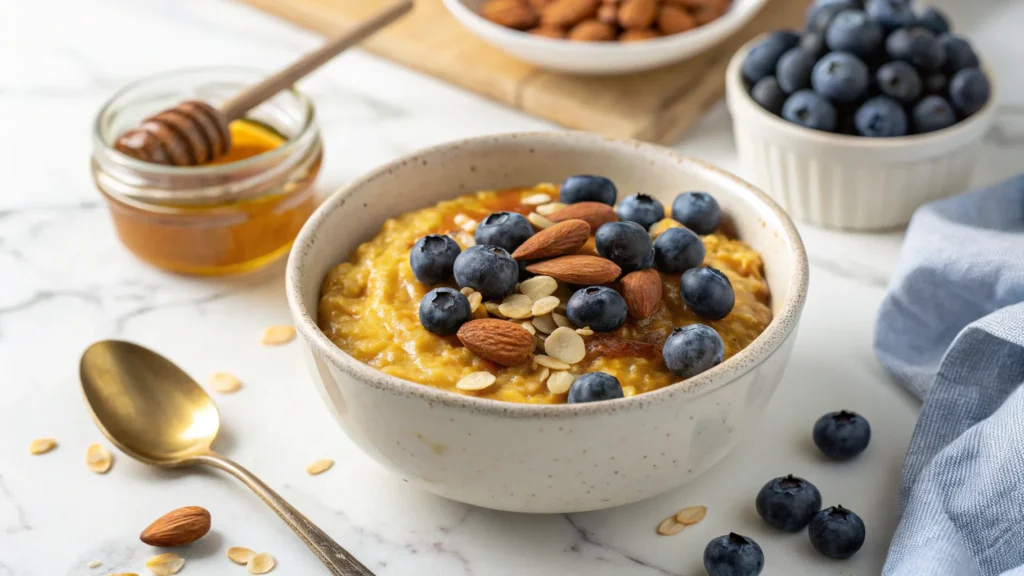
779 330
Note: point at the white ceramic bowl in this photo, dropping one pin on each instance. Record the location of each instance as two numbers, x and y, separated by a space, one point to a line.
545 458
602 57
851 182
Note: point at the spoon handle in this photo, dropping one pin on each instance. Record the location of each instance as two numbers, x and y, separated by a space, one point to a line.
338 560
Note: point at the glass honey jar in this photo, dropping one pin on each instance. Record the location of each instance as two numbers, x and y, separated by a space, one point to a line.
234 215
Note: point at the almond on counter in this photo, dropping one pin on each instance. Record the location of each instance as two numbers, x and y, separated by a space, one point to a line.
177 527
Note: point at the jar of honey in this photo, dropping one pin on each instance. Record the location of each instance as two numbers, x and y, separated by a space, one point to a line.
234 215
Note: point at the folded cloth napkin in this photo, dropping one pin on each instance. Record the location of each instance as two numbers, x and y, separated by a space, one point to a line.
951 331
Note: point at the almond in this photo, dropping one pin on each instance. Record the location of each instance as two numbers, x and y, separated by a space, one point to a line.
499 341
672 19
568 13
608 14
592 31
177 527
642 291
510 13
539 5
548 31
593 213
578 269
563 238
638 14
638 35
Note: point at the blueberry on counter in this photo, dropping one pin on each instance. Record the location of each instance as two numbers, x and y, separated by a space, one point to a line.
733 555
836 532
969 90
693 349
432 258
788 503
900 81
626 243
504 229
842 435
841 76
820 14
809 109
932 113
933 19
444 310
880 117
640 208
677 250
587 188
794 70
489 270
707 292
852 31
601 308
959 54
698 211
918 46
769 94
891 14
594 387
763 57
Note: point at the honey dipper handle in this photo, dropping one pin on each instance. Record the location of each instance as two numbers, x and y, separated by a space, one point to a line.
254 95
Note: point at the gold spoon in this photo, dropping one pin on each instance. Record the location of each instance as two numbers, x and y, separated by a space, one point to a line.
155 413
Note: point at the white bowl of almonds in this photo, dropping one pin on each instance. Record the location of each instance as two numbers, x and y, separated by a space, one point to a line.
603 36
547 322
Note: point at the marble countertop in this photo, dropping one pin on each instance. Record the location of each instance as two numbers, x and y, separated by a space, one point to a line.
65 281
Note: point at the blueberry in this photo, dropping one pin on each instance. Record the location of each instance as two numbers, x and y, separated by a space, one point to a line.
788 503
891 14
900 81
969 90
852 31
432 258
763 57
934 20
677 250
692 349
881 117
587 188
733 555
813 44
625 243
841 76
487 269
698 211
443 311
936 84
601 308
640 208
959 53
918 46
504 229
932 113
836 532
794 70
594 387
707 292
820 14
768 94
810 110
842 435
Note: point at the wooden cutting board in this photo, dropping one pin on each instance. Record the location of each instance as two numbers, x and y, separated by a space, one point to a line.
656 106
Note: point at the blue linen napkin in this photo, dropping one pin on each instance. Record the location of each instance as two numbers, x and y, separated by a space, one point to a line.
951 330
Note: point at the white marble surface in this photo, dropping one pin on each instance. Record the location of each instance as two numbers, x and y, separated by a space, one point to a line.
65 281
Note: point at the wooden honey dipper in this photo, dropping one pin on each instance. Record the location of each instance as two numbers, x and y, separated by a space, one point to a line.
194 132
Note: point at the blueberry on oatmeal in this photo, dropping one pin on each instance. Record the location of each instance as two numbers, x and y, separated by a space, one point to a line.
504 229
692 349
443 311
600 308
640 208
489 270
432 258
698 211
707 292
587 188
627 244
594 387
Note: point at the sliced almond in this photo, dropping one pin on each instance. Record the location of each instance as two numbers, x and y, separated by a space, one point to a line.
480 312
549 362
539 222
669 526
516 306
277 335
641 289
94 564
578 269
545 305
475 299
593 213
41 446
538 342
566 345
585 331
691 515
124 574
529 326
494 309
544 373
556 240
539 287
499 341
467 291
476 381
549 209
240 555
319 467
165 564
98 459
544 324
560 320
560 382
260 563
224 383
536 199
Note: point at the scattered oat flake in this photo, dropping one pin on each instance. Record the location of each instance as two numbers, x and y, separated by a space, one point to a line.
516 306
240 554
277 335
94 564
475 299
319 467
476 381
560 382
539 221
536 199
225 383
41 446
539 287
165 564
545 305
98 459
566 345
544 323
669 526
585 331
691 515
549 209
549 362
560 320
260 563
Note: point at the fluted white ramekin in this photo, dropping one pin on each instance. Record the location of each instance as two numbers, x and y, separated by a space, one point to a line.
850 182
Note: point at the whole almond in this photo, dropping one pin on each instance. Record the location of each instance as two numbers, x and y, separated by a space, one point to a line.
608 14
499 341
177 527
638 35
638 14
568 13
515 14
548 31
672 19
562 238
592 31
578 269
593 213
642 292
539 5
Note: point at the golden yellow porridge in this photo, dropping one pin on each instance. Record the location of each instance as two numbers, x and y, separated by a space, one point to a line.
369 307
